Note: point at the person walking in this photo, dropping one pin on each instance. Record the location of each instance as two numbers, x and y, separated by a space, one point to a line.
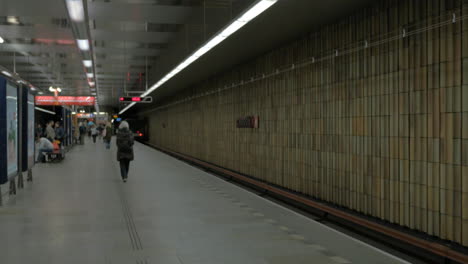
124 148
94 133
50 132
107 134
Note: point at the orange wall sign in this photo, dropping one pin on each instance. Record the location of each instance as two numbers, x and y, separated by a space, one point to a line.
65 100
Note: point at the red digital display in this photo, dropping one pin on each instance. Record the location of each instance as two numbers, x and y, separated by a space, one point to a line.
122 99
136 99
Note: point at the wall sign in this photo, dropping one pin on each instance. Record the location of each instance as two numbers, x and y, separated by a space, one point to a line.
247 122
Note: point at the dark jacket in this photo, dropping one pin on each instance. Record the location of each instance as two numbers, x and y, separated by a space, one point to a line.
108 134
124 144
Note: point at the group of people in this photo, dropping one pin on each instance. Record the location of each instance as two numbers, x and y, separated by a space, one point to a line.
46 137
52 131
103 131
125 140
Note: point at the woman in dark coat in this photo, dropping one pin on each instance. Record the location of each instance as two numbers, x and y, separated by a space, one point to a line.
124 149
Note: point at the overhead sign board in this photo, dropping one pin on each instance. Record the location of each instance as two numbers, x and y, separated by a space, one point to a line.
134 99
85 115
65 100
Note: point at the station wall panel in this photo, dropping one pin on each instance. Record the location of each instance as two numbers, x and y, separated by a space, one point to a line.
382 130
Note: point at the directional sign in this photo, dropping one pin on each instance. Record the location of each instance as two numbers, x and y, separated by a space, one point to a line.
146 99
65 100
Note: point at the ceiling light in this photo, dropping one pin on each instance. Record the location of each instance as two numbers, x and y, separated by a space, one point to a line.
12 20
73 113
1 40
6 73
33 88
40 93
59 89
90 75
88 63
241 21
91 83
51 89
75 10
83 44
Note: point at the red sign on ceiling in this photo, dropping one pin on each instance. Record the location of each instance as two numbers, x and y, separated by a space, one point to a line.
65 100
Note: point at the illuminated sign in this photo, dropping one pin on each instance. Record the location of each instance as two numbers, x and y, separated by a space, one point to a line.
85 115
118 119
65 100
146 99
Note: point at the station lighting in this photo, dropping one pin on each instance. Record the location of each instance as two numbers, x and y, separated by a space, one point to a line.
89 75
88 63
52 89
83 44
1 40
6 73
12 20
241 21
44 110
75 10
91 83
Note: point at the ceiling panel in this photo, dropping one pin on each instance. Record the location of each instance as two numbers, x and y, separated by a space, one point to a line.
138 12
142 37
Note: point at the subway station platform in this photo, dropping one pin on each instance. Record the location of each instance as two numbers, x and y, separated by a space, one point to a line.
79 211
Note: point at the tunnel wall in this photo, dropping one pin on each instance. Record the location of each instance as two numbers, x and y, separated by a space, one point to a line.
382 130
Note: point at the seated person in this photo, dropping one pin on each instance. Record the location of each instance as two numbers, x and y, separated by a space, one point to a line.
43 145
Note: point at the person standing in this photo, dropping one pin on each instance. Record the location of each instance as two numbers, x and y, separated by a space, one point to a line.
50 132
124 148
39 131
59 133
107 133
82 132
94 133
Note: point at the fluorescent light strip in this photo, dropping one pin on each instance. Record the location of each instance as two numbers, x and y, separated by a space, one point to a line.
44 110
1 40
83 44
88 63
246 17
90 75
75 10
6 73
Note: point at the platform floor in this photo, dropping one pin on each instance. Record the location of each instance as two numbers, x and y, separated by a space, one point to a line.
79 211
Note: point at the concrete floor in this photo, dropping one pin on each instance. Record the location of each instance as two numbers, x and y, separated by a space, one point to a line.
79 211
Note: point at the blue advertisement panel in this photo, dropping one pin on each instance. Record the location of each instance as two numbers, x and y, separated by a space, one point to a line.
12 128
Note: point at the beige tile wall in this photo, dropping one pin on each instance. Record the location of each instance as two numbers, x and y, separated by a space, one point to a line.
383 131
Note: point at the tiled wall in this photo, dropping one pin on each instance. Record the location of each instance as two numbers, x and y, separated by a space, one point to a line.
382 130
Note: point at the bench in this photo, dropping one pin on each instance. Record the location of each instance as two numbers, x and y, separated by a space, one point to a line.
55 156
